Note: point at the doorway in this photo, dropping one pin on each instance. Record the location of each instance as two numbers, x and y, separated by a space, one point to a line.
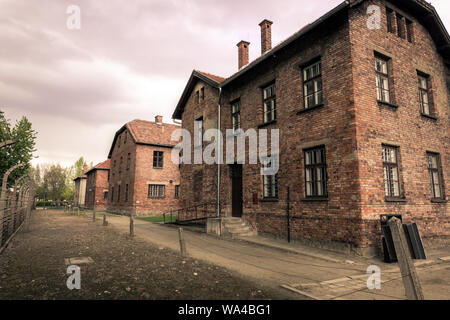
236 190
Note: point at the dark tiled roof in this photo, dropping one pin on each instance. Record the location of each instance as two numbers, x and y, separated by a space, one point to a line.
149 133
212 76
105 165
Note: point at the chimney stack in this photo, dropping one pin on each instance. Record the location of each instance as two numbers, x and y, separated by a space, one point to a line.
84 168
158 119
243 53
266 35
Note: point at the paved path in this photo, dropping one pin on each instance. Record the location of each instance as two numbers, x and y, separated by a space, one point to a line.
304 273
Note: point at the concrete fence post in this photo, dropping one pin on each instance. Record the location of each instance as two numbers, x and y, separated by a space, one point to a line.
3 195
411 282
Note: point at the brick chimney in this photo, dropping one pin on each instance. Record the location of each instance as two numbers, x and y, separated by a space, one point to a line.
243 53
158 119
84 168
266 35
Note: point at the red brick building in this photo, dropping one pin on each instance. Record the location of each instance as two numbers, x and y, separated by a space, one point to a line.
362 105
143 178
97 186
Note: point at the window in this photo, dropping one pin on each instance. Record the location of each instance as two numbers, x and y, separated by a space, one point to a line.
401 26
197 96
198 186
120 164
118 194
199 129
177 192
114 166
125 137
112 194
270 186
128 161
156 191
424 94
158 157
270 108
126 193
391 172
409 30
382 77
315 172
390 20
118 143
236 115
105 195
202 94
312 85
434 169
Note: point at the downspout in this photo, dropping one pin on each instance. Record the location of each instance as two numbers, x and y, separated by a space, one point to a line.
220 153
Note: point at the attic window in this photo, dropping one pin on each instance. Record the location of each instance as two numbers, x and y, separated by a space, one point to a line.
399 25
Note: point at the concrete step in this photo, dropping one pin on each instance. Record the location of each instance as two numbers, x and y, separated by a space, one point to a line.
243 235
231 220
240 229
234 224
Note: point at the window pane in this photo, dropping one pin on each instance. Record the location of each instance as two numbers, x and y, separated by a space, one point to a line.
386 182
308 157
309 189
437 188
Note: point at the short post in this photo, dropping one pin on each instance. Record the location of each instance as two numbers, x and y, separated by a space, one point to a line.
182 244
131 224
93 214
411 282
105 223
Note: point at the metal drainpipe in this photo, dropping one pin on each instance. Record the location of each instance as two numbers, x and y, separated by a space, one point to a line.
220 153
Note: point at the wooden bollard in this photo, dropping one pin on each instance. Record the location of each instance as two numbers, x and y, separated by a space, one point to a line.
93 215
131 225
413 288
182 244
105 223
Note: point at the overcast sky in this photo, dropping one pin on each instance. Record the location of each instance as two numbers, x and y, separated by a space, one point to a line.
130 60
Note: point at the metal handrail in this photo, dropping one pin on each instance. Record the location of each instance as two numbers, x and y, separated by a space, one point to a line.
195 212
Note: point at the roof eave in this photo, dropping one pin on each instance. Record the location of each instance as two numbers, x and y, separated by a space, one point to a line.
195 74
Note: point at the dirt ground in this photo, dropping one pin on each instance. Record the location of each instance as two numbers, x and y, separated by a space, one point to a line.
33 266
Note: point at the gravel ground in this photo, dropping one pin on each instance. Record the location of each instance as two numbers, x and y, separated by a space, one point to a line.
33 266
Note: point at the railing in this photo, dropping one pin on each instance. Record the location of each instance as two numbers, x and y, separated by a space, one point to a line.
193 213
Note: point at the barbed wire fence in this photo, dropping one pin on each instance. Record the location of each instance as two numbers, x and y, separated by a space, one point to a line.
16 203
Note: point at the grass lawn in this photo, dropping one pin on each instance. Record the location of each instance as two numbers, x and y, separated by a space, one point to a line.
157 219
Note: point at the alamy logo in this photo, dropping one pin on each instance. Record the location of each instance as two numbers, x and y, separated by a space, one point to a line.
74 281
235 144
74 19
374 20
374 281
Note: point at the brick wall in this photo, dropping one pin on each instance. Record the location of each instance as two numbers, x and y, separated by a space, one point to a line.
96 186
403 126
139 175
352 127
